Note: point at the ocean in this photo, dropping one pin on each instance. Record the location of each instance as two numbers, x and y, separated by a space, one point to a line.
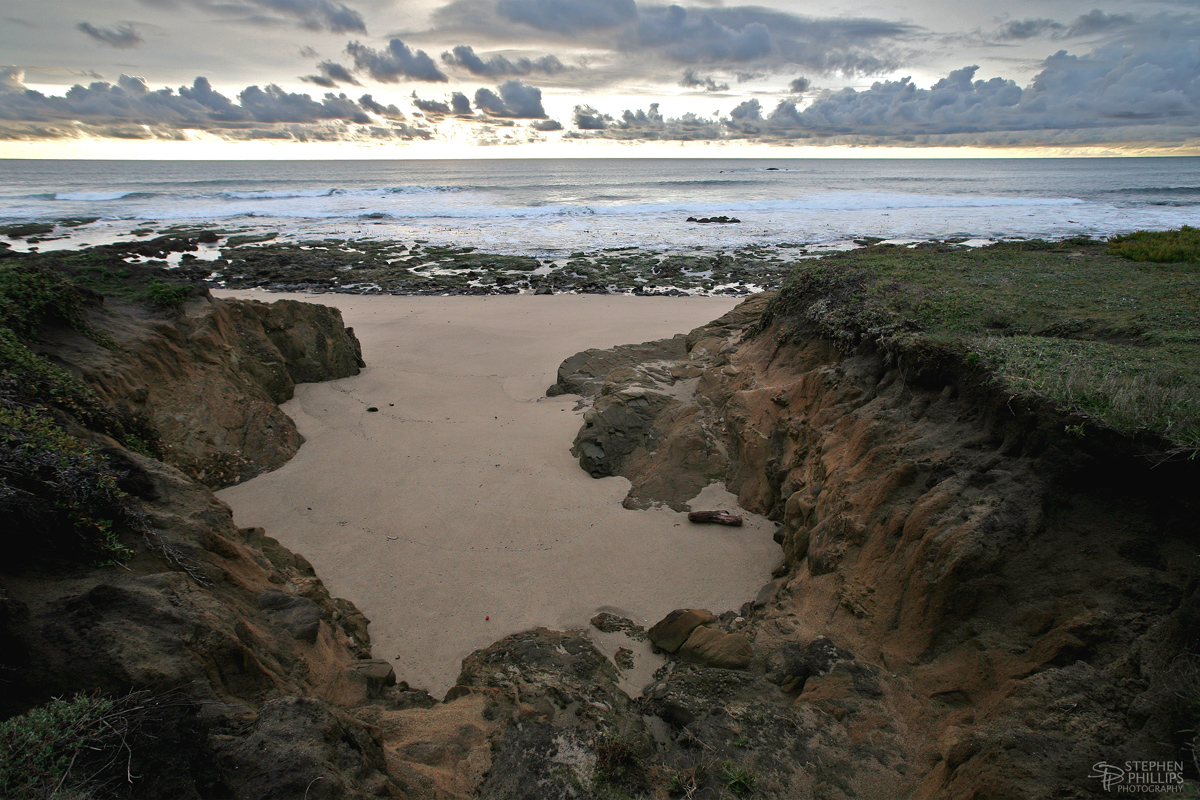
555 206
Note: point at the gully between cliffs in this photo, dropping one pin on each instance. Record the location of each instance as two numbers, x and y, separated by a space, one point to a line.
969 602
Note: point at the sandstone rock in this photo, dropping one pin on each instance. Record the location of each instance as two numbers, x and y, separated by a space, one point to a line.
611 623
210 380
670 632
715 648
767 593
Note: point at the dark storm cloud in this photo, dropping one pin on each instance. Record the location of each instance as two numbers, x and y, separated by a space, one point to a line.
397 62
744 34
1028 29
1096 21
430 106
569 16
459 105
587 118
799 85
546 125
691 80
312 14
1089 24
130 108
499 66
515 99
121 37
388 112
693 35
273 104
330 74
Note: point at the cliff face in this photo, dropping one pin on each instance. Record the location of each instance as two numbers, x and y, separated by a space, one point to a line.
210 378
247 660
1006 604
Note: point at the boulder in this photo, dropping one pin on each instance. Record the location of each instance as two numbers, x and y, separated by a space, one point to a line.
673 630
715 648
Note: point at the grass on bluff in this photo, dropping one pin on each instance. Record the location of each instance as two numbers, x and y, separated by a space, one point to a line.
51 480
1077 323
1161 246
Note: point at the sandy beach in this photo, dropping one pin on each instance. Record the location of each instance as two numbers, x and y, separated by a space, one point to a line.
455 514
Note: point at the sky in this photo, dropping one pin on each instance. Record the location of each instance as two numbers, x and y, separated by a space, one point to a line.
417 78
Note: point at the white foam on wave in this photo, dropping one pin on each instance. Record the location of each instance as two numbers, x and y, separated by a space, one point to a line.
91 197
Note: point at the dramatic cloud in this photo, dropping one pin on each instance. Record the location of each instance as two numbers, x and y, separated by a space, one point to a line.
742 34
691 80
387 112
569 16
430 106
546 125
499 66
330 75
395 63
647 124
737 35
459 105
516 99
311 14
1096 21
1127 93
1028 29
587 118
1089 24
121 37
273 104
799 85
130 109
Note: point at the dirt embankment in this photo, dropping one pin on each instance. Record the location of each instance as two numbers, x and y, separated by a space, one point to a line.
996 604
247 658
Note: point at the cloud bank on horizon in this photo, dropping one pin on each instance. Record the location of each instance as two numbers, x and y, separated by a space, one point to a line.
528 71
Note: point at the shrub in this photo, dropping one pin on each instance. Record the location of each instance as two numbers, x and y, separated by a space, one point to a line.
161 294
1161 246
87 746
62 487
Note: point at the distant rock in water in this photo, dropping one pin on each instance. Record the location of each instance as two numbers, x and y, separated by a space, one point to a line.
721 219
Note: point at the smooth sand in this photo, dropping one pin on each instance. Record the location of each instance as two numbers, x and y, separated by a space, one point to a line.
456 515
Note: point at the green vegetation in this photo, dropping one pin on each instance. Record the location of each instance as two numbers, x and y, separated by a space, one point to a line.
739 779
52 480
1113 341
103 270
39 749
84 747
1182 245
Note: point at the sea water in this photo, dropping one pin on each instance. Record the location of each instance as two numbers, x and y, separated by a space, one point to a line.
555 206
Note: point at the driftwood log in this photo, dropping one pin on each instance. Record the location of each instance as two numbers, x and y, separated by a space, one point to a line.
715 517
